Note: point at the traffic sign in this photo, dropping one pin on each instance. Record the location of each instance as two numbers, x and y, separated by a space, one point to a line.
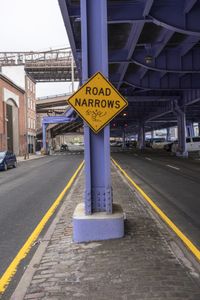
97 102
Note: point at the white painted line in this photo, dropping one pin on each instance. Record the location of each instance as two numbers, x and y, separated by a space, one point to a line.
148 158
173 167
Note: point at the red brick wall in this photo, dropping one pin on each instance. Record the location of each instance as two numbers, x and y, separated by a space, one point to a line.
22 115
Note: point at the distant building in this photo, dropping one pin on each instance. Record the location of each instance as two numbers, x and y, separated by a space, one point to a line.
18 75
12 117
31 113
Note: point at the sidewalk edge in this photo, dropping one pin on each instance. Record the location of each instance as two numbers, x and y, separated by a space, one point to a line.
180 250
24 283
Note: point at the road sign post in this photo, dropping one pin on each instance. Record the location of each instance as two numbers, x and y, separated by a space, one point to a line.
97 218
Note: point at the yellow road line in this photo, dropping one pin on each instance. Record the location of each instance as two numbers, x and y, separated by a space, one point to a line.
185 240
11 270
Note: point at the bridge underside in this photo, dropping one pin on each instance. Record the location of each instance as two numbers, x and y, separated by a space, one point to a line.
154 58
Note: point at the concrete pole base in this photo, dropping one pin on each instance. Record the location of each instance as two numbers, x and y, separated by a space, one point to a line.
98 226
182 154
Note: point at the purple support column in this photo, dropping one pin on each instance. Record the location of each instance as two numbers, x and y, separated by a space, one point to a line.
97 154
123 138
182 151
92 223
168 135
141 137
190 130
44 144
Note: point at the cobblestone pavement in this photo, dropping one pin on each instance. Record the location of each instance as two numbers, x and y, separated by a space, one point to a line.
141 265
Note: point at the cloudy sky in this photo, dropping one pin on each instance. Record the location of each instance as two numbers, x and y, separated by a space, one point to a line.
28 25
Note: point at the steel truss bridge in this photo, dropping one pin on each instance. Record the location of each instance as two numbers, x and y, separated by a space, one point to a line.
44 66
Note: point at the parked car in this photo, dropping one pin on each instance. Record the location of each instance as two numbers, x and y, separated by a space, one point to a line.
168 146
159 144
7 160
77 146
63 148
192 144
115 143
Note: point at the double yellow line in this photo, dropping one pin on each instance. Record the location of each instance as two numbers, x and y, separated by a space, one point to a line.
11 270
179 233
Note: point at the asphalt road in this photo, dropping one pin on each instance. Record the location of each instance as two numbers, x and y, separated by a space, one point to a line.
26 193
172 183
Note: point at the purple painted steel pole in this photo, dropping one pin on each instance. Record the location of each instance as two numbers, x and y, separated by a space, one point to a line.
141 136
168 135
44 145
98 191
190 129
182 151
123 138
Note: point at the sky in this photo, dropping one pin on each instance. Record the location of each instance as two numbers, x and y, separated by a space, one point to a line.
33 25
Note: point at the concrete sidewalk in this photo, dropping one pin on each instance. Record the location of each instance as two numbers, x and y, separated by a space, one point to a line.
30 157
146 264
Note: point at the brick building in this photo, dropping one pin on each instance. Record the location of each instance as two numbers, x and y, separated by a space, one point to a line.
18 75
12 116
31 113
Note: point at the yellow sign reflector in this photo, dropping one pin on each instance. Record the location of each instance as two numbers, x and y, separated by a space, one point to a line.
97 102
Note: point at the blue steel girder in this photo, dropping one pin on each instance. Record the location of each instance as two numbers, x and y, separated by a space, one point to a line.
189 5
188 43
169 61
170 81
172 15
130 47
132 41
64 8
166 30
57 119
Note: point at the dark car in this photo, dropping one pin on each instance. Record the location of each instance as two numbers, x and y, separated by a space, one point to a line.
63 148
7 160
168 146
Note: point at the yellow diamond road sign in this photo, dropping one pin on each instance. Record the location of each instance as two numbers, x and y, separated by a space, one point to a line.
97 102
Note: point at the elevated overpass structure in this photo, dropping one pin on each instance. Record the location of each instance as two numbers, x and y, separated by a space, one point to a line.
50 103
153 59
54 65
53 106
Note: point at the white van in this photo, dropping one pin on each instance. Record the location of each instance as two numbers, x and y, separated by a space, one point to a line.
192 144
